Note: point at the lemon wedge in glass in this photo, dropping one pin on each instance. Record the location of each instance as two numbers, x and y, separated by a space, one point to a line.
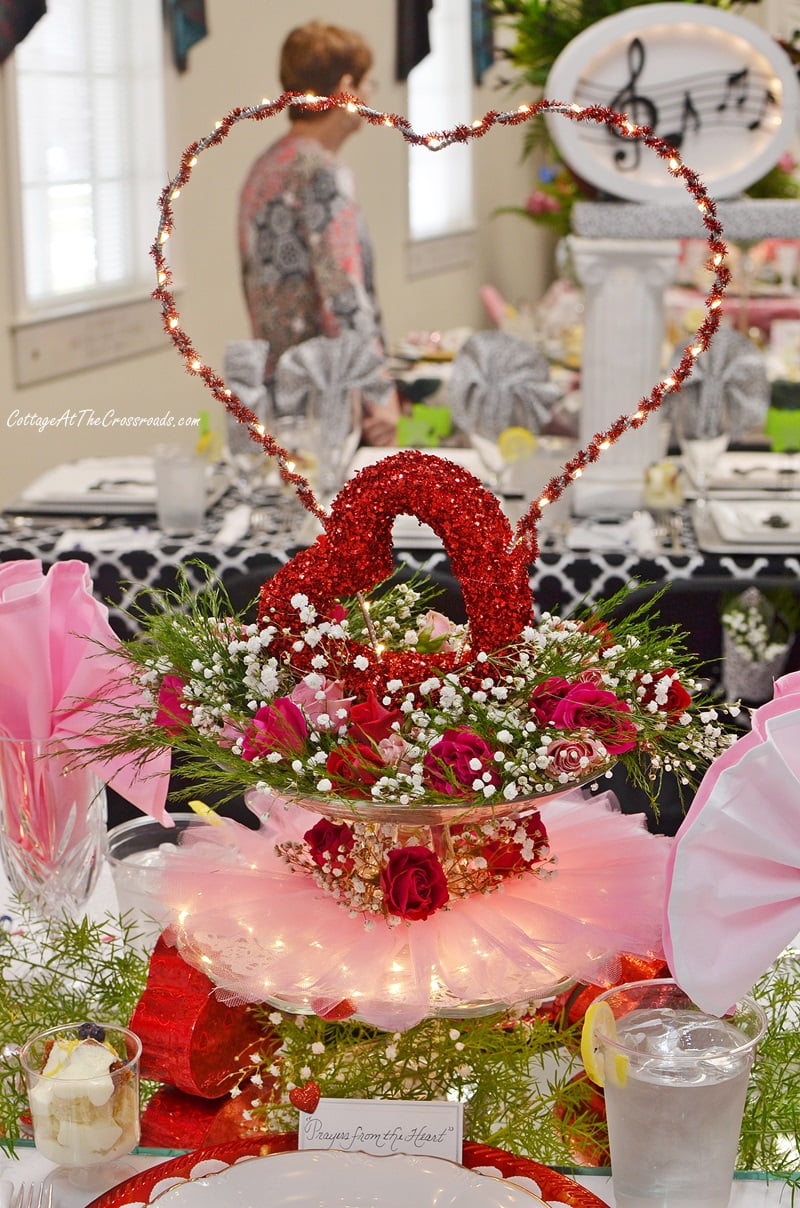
599 1022
515 443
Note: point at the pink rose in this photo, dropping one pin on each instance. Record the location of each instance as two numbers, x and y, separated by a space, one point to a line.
545 696
457 760
590 675
566 756
370 721
435 630
173 713
413 883
276 727
392 750
328 698
330 843
599 711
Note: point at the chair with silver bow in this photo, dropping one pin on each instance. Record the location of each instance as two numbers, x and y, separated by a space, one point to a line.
244 368
321 389
500 381
726 397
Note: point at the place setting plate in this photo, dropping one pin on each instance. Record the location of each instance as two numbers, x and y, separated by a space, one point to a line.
257 1170
750 524
743 473
113 486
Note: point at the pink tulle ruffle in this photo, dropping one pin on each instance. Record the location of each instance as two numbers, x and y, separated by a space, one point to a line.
265 933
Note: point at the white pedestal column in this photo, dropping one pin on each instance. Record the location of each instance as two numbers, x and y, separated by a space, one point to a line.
624 282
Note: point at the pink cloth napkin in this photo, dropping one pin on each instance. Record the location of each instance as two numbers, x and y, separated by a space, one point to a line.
60 676
733 879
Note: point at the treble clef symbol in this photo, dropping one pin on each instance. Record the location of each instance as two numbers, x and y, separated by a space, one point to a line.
629 101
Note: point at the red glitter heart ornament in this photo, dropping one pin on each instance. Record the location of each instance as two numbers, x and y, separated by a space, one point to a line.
354 554
305 1098
619 123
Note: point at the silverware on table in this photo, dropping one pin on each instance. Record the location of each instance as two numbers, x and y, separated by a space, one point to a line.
32 1195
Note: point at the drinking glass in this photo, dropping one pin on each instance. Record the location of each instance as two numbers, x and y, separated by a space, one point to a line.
52 824
675 1085
180 489
84 1109
703 434
136 858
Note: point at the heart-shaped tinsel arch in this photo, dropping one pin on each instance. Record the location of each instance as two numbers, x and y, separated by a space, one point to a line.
354 553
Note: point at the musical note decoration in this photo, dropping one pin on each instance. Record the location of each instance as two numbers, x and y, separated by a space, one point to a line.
708 100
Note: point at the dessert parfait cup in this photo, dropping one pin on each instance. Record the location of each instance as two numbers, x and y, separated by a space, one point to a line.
83 1091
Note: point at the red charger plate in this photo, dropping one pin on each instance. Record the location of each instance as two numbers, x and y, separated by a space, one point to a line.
553 1184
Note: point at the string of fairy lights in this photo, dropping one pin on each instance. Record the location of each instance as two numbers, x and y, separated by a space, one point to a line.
438 141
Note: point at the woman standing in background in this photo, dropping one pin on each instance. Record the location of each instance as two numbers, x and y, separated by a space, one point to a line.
307 263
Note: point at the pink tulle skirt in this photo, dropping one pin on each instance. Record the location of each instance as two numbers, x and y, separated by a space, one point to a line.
265 933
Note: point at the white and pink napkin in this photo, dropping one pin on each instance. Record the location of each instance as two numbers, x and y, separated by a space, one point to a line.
733 880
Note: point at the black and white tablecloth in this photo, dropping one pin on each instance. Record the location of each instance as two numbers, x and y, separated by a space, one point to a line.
124 576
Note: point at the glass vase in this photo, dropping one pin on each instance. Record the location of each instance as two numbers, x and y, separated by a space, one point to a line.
52 824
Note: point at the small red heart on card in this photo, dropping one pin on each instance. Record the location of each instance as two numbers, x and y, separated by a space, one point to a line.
305 1098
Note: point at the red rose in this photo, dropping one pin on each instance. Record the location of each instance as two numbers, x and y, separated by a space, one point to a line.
599 711
457 760
172 714
330 843
280 726
677 699
413 883
504 855
369 721
545 696
357 766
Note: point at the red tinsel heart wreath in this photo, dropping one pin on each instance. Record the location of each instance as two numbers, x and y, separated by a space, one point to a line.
354 552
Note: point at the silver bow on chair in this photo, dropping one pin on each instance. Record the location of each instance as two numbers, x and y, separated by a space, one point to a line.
731 375
500 381
244 366
330 377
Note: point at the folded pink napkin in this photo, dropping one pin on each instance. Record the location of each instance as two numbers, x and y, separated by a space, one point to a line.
61 676
733 880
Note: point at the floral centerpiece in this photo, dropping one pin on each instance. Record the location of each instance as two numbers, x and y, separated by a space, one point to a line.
412 770
420 851
539 30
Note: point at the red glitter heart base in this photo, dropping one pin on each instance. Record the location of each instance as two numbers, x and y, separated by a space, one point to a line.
354 554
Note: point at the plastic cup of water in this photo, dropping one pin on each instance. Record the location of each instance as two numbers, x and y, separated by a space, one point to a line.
675 1080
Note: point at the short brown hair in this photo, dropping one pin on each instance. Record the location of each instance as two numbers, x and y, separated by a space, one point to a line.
314 58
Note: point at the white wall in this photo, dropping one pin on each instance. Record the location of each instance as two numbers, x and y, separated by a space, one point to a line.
236 65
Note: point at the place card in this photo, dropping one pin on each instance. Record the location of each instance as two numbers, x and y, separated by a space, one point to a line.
385 1126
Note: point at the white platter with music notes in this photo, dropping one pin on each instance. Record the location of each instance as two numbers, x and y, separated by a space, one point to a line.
715 85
